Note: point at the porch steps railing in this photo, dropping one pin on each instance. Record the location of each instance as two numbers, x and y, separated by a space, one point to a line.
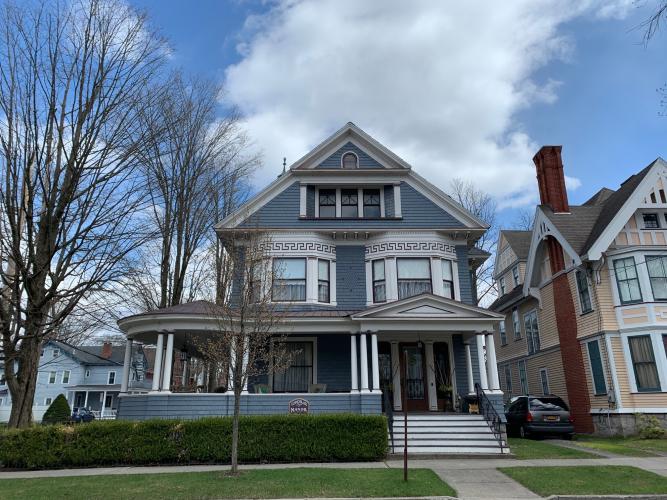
446 434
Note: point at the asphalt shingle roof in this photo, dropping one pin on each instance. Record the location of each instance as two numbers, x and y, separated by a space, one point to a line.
519 241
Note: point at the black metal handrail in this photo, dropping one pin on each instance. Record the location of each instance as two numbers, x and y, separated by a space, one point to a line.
389 413
490 414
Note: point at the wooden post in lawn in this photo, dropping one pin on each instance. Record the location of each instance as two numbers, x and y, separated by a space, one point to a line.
405 415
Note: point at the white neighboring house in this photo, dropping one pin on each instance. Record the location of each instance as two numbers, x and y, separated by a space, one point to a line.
88 376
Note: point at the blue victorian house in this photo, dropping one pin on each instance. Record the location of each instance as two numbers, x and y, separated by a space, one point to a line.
378 266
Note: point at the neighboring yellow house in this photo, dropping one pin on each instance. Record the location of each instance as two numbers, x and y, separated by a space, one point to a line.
585 299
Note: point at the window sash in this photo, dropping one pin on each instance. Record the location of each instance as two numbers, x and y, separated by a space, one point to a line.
651 221
323 281
350 160
515 275
111 378
657 273
327 203
516 325
290 284
643 363
349 203
372 203
627 281
414 276
52 377
299 375
502 286
66 376
447 278
544 381
522 377
584 292
508 378
597 371
503 333
379 282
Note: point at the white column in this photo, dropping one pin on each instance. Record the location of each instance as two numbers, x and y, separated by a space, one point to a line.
338 203
126 366
483 381
375 362
492 365
85 401
430 377
157 368
471 380
302 200
354 366
364 362
244 369
184 373
104 403
360 202
168 359
396 375
397 201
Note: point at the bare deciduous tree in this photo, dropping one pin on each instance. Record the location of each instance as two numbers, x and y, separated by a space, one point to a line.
192 167
482 206
72 79
246 341
524 220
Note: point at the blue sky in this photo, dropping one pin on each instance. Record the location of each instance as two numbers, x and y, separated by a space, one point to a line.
458 91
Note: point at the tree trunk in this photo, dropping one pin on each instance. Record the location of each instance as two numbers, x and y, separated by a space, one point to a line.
235 430
22 388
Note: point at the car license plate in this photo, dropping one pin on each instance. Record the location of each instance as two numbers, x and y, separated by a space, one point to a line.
552 418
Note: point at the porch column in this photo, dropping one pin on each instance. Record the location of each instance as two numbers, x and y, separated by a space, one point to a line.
363 353
354 366
184 373
483 381
126 366
430 377
104 403
492 365
471 381
85 401
168 358
396 375
157 368
375 362
244 369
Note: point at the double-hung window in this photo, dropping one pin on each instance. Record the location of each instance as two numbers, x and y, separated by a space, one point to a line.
643 363
523 378
327 203
323 281
597 371
627 280
298 376
657 273
503 334
289 280
651 221
111 380
584 292
372 203
66 375
349 203
52 377
508 379
544 380
447 279
414 276
532 332
515 275
379 281
516 325
501 284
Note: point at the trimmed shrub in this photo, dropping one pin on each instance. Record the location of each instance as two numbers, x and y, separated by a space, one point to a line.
262 439
58 412
649 427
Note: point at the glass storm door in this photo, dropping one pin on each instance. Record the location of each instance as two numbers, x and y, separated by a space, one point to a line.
413 368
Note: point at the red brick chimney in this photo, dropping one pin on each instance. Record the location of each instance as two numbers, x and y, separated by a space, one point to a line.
107 349
551 179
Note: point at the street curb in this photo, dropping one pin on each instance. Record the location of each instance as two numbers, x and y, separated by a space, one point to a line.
607 497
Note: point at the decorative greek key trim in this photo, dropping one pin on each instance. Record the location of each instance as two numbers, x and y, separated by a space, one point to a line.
410 246
302 246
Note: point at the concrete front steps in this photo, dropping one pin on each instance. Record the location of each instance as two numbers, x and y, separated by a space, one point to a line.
442 434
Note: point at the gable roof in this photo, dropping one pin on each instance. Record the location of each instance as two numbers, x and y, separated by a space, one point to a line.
91 354
519 241
577 225
508 299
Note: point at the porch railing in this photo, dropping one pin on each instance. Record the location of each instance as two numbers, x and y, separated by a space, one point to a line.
389 413
490 414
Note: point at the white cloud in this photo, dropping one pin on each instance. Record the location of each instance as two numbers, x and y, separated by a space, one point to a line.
439 83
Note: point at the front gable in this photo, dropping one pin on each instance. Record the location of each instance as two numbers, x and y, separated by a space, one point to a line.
364 159
427 306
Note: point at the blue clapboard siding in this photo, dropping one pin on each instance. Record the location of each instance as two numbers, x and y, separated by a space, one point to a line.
333 362
465 280
192 406
365 161
350 277
389 201
417 212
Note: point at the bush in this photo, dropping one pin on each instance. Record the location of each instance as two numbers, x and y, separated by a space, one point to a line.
58 412
275 438
649 427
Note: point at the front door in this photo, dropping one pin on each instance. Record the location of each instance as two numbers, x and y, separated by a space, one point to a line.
413 375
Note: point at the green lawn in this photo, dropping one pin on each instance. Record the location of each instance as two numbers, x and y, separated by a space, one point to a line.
632 446
267 483
588 480
530 448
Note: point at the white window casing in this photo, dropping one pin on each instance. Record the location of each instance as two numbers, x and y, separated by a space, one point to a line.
397 201
303 200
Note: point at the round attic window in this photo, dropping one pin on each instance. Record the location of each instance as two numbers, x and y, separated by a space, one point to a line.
350 160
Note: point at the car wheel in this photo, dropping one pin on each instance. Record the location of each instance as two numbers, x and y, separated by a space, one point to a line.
523 433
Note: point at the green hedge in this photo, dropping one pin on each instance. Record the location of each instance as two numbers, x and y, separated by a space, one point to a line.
275 438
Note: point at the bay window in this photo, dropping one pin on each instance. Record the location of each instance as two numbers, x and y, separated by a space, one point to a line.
447 279
349 203
327 202
629 290
414 276
657 273
289 280
298 376
379 282
372 203
643 363
323 281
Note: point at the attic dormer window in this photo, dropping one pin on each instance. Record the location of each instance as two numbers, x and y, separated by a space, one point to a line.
350 160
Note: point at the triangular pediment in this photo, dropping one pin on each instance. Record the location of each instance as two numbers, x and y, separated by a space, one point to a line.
426 306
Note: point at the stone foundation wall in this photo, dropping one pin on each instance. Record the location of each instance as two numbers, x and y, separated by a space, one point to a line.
624 424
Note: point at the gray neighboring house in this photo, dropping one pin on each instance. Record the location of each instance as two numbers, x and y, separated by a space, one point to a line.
88 376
